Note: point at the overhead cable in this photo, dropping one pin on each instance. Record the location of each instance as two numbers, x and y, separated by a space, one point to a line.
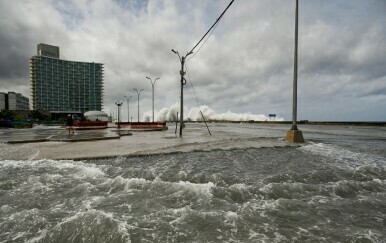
215 23
198 103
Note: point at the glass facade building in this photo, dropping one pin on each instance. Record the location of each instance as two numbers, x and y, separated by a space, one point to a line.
60 85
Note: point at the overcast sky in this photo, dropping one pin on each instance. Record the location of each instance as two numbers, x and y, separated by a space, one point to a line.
245 67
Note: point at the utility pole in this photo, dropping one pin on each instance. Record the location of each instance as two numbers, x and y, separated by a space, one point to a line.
294 135
152 86
128 107
182 72
138 92
183 82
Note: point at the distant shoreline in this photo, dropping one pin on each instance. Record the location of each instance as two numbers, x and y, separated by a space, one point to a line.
306 122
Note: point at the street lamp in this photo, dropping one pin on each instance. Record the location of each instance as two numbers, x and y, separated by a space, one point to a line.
138 92
183 82
119 104
128 107
294 135
152 86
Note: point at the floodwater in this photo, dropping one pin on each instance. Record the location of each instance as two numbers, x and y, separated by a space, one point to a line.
242 184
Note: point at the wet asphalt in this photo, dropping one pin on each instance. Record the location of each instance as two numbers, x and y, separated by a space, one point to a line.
31 135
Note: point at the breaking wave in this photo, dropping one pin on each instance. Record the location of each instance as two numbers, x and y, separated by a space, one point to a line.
194 114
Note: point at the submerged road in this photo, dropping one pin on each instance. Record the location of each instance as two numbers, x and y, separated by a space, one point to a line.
55 143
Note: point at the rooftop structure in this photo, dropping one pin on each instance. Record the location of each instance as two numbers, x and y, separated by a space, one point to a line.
48 50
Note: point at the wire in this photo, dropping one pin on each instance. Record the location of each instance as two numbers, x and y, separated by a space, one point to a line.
203 43
190 81
215 23
198 103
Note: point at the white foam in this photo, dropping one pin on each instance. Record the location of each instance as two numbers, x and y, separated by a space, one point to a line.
258 236
279 237
194 114
46 127
370 235
201 189
89 171
347 158
231 219
122 226
34 163
38 238
19 235
204 190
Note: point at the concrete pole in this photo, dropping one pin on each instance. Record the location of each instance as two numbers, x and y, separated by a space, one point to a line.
119 112
294 135
295 78
128 107
182 72
152 86
138 93
183 82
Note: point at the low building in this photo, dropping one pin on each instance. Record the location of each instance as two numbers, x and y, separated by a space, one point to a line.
17 102
3 101
13 101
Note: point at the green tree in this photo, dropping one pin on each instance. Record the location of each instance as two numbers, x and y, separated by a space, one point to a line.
6 114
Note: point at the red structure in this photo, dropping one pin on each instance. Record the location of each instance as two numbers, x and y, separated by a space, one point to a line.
144 126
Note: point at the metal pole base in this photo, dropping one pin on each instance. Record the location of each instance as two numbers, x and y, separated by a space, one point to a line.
294 136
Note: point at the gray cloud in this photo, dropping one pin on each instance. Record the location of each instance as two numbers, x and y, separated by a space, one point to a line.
245 66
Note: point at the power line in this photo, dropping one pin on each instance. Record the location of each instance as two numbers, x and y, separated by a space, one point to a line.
215 23
203 43
198 103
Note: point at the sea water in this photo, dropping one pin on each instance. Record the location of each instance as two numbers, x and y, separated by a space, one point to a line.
245 186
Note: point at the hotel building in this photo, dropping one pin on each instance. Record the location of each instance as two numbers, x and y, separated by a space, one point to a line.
64 86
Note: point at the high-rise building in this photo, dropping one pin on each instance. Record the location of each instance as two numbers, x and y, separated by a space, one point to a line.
13 102
61 85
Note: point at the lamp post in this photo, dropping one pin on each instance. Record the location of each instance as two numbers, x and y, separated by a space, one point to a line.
119 104
128 107
152 86
183 82
138 92
294 135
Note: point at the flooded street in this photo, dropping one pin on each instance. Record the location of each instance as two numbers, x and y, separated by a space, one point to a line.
242 184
